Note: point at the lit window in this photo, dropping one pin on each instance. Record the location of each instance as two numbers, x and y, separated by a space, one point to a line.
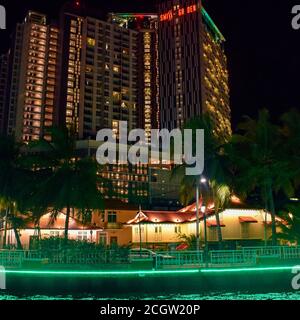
116 95
54 234
91 42
82 236
116 69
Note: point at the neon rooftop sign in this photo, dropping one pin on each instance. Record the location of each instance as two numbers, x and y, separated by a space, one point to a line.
178 12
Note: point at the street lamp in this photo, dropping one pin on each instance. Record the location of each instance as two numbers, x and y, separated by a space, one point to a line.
203 180
198 192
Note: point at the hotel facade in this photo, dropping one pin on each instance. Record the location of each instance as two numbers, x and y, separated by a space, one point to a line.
146 25
29 98
192 66
3 89
80 72
99 74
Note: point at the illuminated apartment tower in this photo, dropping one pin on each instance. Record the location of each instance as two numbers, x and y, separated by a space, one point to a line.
99 74
193 66
3 92
148 102
32 78
13 71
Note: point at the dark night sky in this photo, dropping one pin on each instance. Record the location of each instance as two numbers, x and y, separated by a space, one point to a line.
262 48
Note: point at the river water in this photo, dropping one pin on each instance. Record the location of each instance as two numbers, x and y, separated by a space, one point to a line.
211 296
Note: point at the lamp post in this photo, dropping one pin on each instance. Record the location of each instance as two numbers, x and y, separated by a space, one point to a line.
198 193
197 219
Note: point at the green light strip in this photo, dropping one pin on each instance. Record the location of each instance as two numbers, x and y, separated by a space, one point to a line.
143 273
246 269
99 273
212 24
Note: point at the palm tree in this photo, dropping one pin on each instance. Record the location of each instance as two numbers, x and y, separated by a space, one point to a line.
257 152
291 148
221 195
290 226
70 183
216 170
13 178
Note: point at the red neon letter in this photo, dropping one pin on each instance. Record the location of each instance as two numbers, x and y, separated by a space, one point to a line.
181 12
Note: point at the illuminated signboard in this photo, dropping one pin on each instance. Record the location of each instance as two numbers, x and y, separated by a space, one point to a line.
179 12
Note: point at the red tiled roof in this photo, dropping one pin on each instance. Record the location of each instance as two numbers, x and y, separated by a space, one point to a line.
59 223
173 217
193 207
163 217
234 200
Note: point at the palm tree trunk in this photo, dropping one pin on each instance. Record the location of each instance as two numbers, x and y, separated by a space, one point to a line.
273 215
65 248
5 229
19 243
67 223
219 230
266 214
266 227
13 225
39 232
17 235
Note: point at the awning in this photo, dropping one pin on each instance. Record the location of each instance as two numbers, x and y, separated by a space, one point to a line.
213 224
247 220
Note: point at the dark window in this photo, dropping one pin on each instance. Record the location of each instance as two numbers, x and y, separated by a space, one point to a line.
111 217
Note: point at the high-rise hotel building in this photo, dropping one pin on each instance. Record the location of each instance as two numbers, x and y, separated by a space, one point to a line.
99 74
3 89
31 79
82 72
192 66
146 25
